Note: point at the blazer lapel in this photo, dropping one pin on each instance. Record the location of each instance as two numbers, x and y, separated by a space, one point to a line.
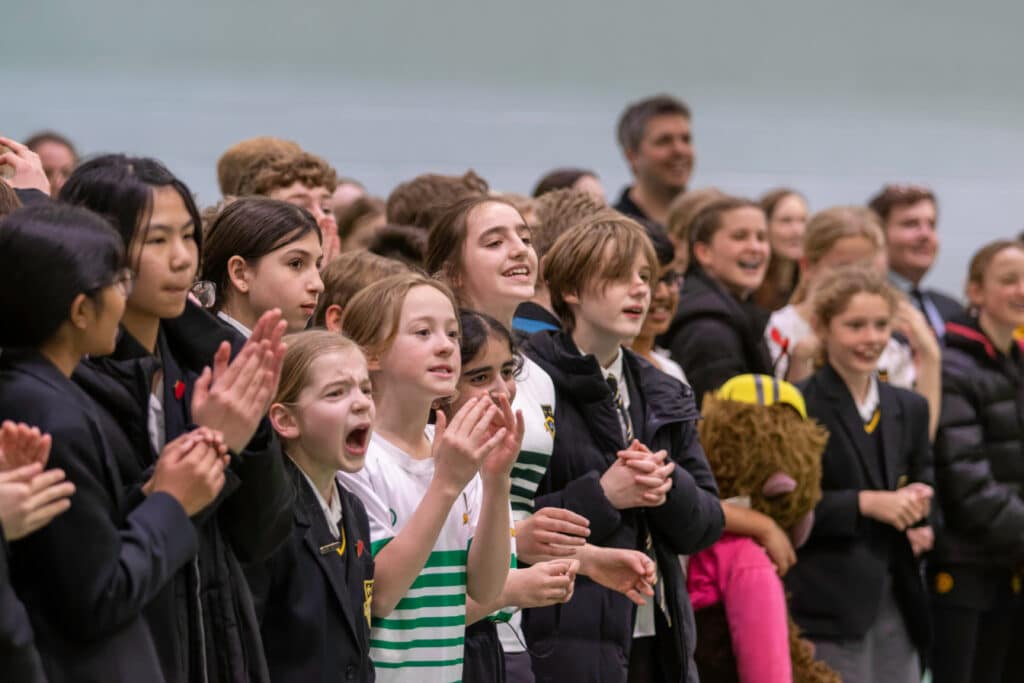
892 417
853 429
322 545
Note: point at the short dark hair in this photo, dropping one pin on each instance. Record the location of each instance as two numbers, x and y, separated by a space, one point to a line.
49 254
251 227
357 211
476 328
663 246
36 139
560 179
405 243
120 188
894 195
637 115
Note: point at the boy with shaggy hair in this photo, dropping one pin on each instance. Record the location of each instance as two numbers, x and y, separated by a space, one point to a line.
302 179
626 456
238 159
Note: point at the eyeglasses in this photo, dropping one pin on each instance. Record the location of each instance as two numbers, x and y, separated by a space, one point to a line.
672 278
124 280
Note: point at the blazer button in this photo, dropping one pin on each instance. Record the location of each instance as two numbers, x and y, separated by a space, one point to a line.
350 673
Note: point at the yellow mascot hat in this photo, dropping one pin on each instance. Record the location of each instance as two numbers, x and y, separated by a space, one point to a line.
763 390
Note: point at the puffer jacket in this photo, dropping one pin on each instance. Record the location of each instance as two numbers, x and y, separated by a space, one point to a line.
591 635
979 451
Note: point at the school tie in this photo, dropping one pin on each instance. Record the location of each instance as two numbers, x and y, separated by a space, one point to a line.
925 304
648 541
624 420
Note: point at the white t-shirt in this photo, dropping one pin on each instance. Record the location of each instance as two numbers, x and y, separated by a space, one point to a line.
669 366
786 328
422 640
535 396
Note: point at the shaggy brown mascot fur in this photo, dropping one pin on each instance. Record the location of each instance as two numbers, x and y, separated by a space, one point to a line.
745 444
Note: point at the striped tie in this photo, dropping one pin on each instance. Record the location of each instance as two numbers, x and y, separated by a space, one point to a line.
624 421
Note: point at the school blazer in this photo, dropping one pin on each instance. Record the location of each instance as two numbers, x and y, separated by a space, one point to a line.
87 576
837 582
314 610
19 660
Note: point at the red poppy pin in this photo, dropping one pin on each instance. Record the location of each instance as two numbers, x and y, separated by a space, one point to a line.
179 389
359 548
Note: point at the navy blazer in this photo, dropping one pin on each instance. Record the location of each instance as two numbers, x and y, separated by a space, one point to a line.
837 582
313 606
86 577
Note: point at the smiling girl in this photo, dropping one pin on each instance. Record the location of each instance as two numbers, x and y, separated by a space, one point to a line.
857 591
716 333
263 254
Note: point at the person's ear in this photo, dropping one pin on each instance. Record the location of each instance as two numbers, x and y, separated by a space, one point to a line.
702 252
283 422
571 298
332 318
975 294
239 274
81 312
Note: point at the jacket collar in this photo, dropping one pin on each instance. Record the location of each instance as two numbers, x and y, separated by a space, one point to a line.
317 539
845 413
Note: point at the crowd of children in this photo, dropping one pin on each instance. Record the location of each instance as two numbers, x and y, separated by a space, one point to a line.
309 434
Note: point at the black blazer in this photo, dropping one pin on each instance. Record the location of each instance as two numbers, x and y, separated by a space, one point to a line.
19 660
86 577
313 607
837 582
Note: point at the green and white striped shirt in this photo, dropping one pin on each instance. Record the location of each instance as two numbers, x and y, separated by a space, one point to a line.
421 641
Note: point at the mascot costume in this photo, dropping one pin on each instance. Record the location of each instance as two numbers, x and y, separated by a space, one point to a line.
765 454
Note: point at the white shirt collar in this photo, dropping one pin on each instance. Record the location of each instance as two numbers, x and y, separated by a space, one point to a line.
332 509
242 329
870 404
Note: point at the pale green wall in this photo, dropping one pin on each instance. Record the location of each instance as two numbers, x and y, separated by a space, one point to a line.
834 98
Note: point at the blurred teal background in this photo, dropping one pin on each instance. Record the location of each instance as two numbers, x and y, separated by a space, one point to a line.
831 98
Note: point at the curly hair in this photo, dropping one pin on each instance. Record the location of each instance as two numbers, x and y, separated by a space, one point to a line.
559 210
282 170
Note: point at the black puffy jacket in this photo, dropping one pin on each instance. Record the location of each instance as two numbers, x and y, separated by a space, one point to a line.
715 337
979 451
591 635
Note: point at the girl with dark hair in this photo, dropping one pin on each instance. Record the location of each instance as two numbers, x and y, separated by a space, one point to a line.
716 333
490 366
263 254
977 566
156 385
67 266
570 178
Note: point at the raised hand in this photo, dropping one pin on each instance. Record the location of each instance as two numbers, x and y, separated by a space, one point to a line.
22 445
629 572
191 469
551 533
28 168
459 449
233 397
30 497
498 463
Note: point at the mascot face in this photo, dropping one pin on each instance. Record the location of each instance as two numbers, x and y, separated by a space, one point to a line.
769 454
